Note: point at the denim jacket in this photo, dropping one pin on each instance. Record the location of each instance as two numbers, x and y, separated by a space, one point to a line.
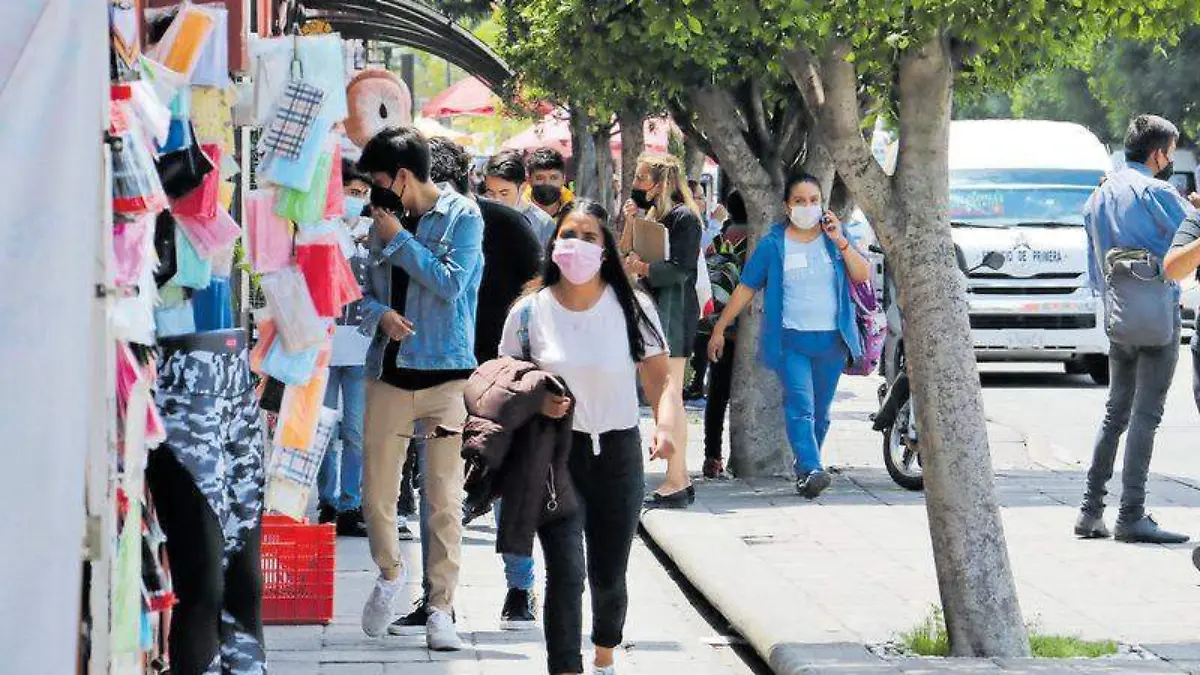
764 269
444 261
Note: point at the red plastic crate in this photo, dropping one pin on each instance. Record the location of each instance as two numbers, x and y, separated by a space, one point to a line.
298 562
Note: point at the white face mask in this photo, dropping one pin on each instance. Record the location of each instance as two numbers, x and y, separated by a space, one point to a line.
805 217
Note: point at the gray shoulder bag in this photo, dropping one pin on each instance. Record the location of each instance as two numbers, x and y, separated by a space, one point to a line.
1140 305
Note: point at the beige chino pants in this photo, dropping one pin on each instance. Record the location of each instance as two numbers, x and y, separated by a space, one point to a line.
391 414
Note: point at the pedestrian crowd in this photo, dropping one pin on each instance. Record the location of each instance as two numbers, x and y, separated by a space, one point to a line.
506 344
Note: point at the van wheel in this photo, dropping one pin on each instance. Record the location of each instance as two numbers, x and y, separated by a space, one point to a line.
1097 368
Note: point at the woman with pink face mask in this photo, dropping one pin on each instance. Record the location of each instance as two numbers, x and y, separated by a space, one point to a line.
584 322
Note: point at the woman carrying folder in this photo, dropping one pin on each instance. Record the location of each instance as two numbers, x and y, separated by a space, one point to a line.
660 190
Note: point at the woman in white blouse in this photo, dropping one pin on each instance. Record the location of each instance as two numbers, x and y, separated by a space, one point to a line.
584 322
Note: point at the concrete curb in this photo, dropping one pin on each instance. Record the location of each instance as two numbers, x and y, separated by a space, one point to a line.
792 637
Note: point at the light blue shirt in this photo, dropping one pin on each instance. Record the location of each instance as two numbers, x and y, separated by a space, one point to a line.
1133 209
540 222
810 300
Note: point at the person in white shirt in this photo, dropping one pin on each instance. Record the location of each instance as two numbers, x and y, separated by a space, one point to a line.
586 324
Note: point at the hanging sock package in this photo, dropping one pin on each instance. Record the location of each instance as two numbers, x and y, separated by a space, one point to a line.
290 368
181 46
307 206
335 198
202 201
192 271
268 237
326 272
210 236
212 65
295 316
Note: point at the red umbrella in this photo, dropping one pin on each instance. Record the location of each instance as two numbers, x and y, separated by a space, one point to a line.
465 97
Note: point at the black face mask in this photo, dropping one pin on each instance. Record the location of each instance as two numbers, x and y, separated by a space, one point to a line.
385 199
546 195
1166 172
642 199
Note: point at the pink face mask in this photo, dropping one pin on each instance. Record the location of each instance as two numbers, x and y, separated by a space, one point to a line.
579 260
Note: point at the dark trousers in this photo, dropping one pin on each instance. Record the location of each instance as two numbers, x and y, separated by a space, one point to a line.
195 548
699 363
720 386
1139 381
611 487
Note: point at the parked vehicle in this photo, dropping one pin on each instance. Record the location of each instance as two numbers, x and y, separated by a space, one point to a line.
1019 187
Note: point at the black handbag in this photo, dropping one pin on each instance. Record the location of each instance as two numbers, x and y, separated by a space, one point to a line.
184 170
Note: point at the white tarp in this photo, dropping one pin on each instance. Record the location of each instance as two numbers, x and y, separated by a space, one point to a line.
53 89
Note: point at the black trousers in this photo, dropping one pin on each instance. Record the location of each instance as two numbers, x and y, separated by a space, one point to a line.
204 585
720 387
699 363
611 486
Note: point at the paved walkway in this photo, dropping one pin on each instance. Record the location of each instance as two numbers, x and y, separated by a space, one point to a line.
665 633
809 583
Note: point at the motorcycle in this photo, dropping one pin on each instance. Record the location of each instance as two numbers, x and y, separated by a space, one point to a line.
896 418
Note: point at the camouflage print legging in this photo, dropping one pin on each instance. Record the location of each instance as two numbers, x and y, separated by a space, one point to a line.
207 485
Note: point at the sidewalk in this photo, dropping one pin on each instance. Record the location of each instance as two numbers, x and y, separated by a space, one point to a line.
810 583
664 632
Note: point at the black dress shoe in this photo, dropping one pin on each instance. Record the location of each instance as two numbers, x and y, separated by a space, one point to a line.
351 524
680 499
812 484
326 514
1147 531
1091 527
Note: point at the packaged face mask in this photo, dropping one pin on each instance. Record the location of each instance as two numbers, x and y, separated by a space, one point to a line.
192 271
296 319
268 237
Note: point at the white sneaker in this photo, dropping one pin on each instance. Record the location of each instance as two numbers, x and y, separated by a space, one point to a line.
440 632
607 670
377 613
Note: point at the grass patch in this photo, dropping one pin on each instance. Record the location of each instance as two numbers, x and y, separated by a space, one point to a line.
929 638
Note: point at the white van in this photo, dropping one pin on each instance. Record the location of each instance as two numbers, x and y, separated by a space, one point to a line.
1019 187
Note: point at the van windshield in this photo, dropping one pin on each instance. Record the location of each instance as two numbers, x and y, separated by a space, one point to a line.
1004 206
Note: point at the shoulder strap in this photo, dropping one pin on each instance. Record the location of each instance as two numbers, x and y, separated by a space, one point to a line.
523 317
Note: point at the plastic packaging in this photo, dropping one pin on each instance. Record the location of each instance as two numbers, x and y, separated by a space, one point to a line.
301 412
266 337
212 65
295 316
290 368
335 199
202 202
133 242
182 44
210 236
222 262
212 306
269 237
192 271
330 279
307 206
176 319
137 188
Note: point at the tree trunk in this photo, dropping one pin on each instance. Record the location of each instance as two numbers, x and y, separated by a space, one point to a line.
583 147
633 143
693 158
758 439
604 167
983 615
975 579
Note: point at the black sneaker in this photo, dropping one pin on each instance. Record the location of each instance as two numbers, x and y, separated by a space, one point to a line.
405 533
520 610
812 484
351 524
326 514
413 623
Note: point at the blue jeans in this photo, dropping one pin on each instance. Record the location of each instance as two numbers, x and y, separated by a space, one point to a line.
812 366
350 382
518 569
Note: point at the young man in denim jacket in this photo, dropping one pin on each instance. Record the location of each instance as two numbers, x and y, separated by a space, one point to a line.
419 306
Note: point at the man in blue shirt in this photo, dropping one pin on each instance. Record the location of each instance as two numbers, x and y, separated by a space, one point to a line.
1135 208
419 307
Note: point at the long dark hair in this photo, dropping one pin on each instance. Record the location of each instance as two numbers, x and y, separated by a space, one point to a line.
611 273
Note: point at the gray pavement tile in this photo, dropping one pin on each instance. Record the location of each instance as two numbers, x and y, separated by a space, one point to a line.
1175 651
293 668
352 669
